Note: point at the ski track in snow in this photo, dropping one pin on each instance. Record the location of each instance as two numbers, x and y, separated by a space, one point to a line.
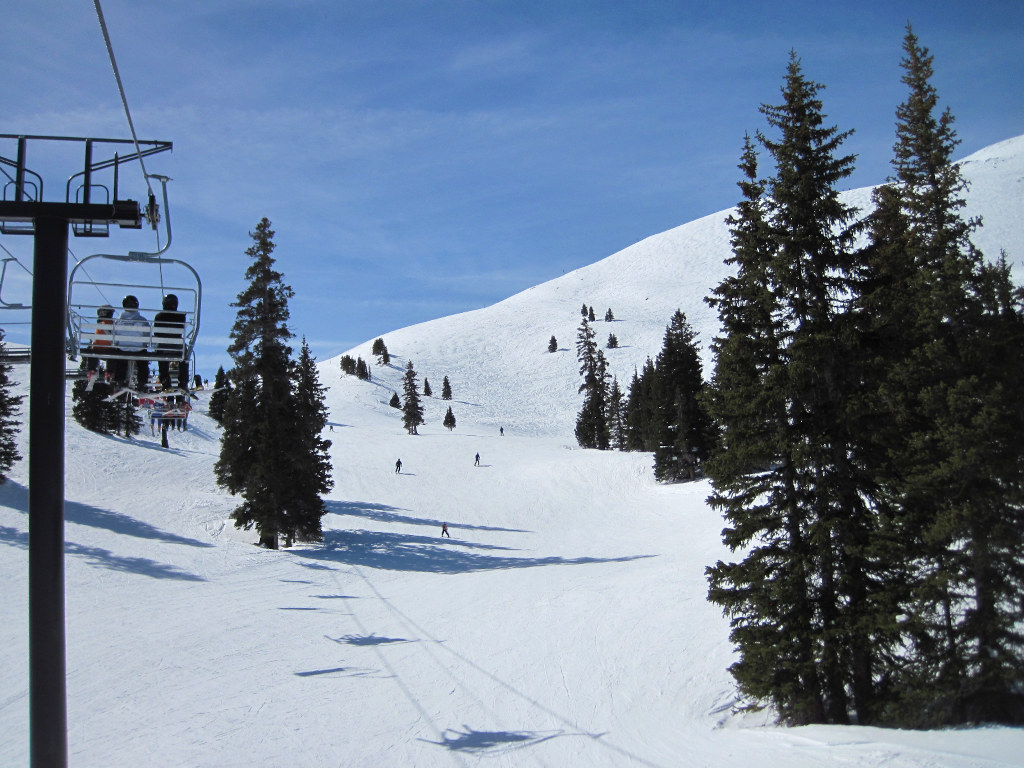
563 624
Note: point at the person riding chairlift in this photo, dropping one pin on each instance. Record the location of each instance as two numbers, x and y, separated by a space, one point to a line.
102 338
170 324
131 335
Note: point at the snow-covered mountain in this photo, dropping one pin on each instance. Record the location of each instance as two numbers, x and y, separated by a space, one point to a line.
506 376
563 624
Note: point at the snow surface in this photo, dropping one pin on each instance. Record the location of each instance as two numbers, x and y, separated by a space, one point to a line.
563 624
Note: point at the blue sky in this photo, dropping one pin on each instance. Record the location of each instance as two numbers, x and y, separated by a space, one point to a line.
418 159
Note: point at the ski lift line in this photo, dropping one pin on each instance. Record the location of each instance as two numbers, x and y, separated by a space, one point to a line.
79 261
3 276
120 88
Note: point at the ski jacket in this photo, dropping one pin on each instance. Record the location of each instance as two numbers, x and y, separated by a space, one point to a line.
103 331
169 324
131 330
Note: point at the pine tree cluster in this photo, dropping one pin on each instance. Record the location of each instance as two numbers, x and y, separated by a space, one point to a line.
92 409
869 457
664 411
356 367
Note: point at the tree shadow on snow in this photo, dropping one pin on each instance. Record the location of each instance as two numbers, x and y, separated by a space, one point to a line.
16 496
382 513
403 552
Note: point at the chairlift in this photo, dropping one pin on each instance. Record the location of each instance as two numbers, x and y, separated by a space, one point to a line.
99 286
12 353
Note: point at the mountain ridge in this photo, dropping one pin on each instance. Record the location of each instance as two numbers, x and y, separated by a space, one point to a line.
690 258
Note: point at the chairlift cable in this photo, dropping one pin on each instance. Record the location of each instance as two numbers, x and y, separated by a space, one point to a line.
98 289
120 88
15 259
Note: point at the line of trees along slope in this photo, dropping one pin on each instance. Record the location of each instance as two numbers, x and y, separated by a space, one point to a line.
869 464
272 454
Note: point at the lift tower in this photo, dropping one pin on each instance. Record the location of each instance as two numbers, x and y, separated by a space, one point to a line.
89 208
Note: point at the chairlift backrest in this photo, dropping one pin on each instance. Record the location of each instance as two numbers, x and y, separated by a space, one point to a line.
133 334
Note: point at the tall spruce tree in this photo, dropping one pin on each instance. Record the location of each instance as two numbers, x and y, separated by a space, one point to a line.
956 500
258 415
686 429
9 427
592 430
616 417
310 458
446 389
797 599
412 410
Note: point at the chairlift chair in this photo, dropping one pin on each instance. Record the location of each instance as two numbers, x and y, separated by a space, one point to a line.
89 337
87 294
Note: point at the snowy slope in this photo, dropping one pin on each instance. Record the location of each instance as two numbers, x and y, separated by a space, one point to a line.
564 624
506 376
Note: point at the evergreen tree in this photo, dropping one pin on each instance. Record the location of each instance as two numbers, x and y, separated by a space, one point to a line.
591 422
798 599
362 369
379 350
446 389
219 398
956 500
449 419
412 411
552 344
686 432
748 353
348 365
590 314
427 391
90 408
124 415
643 421
259 413
394 402
310 466
608 316
613 341
616 417
584 310
9 428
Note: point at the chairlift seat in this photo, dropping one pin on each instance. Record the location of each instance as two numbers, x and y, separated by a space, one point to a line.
89 337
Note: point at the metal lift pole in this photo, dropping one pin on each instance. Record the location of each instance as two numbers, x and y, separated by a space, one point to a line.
48 222
47 657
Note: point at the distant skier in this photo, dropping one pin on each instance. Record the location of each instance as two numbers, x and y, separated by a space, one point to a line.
477 462
444 530
502 431
398 467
